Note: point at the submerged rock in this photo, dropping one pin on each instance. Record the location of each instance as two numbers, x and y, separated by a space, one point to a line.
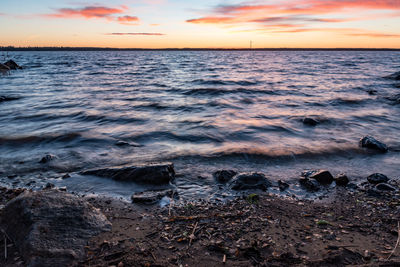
394 76
151 174
48 158
12 65
152 197
310 121
51 228
377 178
250 181
385 187
123 143
224 176
342 180
371 143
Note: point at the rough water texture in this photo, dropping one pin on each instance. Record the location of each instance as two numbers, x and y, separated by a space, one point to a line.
204 111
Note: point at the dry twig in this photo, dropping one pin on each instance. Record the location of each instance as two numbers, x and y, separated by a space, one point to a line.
397 242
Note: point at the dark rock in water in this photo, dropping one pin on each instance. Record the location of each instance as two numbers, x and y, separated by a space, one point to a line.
377 178
394 76
309 185
49 186
12 65
250 181
310 121
123 143
4 67
7 98
66 176
47 158
372 92
385 187
397 85
224 176
342 180
322 176
372 143
151 174
282 185
51 228
152 197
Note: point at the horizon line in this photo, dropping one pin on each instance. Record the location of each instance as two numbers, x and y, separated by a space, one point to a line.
94 48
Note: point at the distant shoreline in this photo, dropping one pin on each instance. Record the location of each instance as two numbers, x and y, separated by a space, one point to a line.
11 49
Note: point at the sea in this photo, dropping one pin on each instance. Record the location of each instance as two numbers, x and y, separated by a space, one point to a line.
201 110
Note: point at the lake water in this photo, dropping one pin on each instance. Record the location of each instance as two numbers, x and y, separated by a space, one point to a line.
202 110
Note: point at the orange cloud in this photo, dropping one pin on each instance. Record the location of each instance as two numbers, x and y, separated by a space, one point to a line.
299 14
128 20
97 12
136 33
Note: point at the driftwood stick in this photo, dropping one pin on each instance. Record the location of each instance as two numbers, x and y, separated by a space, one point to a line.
397 242
192 235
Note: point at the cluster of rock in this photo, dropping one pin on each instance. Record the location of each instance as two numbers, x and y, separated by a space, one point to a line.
9 65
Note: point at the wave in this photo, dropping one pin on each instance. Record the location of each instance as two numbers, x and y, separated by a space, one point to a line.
224 82
218 91
279 154
162 135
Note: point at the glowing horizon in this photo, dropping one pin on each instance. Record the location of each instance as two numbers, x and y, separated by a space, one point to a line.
188 24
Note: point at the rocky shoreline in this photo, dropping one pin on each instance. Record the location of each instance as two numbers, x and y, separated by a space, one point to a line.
351 227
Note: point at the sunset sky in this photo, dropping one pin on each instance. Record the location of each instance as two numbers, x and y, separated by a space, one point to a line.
201 24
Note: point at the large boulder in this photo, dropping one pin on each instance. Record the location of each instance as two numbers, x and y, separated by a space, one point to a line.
12 65
151 174
394 76
51 228
371 143
309 185
253 180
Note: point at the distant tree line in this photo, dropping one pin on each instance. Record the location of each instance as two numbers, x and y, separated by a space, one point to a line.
61 48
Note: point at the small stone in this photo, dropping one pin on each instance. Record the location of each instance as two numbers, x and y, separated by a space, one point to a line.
309 185
49 186
66 176
282 185
224 176
371 143
322 176
377 178
385 187
310 121
342 180
253 180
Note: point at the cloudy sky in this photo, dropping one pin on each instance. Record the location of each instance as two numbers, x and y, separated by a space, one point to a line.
201 23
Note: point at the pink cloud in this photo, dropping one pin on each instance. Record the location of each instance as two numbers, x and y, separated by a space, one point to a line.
96 12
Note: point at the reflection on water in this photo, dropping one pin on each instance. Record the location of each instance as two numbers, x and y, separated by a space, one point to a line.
202 110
